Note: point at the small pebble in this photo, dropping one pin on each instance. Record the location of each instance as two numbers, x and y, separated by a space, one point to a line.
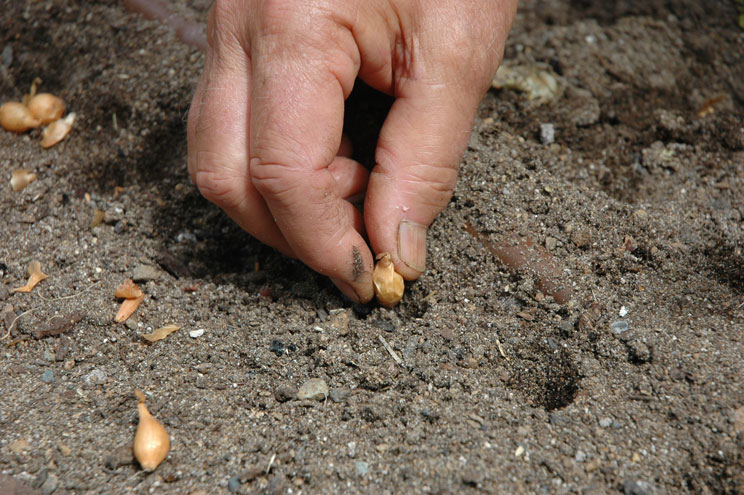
284 394
605 422
339 395
559 419
473 477
95 377
362 468
145 273
547 134
580 456
623 311
250 473
120 456
313 389
50 484
195 334
470 363
47 376
633 487
234 484
7 56
619 326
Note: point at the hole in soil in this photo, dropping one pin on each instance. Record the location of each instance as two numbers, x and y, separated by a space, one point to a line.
548 378
560 386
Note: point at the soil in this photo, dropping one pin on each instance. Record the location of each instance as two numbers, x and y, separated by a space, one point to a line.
634 386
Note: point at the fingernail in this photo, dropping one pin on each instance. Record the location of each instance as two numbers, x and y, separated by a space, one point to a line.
346 289
412 244
361 294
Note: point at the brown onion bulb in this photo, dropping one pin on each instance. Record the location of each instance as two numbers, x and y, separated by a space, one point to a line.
388 283
16 117
46 107
151 442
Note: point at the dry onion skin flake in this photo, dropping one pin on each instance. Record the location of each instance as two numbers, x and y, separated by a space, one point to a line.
46 107
160 333
21 178
56 131
388 283
35 275
151 442
16 117
132 295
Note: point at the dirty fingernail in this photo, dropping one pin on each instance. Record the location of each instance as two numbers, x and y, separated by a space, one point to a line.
359 294
412 245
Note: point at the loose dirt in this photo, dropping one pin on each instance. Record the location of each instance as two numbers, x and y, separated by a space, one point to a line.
634 386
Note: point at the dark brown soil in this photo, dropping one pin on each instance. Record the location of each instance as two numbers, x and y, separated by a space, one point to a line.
634 386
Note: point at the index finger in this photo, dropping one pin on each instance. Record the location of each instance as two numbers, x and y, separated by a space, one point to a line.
296 122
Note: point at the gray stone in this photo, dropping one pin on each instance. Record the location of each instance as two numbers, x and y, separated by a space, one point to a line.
95 377
47 376
234 484
250 473
284 394
473 477
339 394
50 484
362 468
547 134
313 389
145 273
122 455
605 422
619 326
636 487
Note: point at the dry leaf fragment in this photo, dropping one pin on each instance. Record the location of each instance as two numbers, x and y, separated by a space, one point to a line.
59 324
98 216
35 275
538 81
57 130
128 290
132 295
127 308
21 178
160 333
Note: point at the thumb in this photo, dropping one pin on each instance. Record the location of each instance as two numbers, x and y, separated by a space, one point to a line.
418 153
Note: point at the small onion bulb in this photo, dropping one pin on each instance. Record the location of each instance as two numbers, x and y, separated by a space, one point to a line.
388 283
16 117
46 107
151 442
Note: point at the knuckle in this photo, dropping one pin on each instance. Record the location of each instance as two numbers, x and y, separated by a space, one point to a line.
218 188
273 180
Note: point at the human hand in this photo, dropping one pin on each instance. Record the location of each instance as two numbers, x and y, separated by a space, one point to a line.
265 125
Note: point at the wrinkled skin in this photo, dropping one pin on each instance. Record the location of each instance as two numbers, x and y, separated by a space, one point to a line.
265 126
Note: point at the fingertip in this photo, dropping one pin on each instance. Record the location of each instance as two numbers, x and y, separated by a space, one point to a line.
411 249
360 291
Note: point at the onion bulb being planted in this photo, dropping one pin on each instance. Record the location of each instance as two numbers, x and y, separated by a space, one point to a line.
388 283
16 117
151 442
46 107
